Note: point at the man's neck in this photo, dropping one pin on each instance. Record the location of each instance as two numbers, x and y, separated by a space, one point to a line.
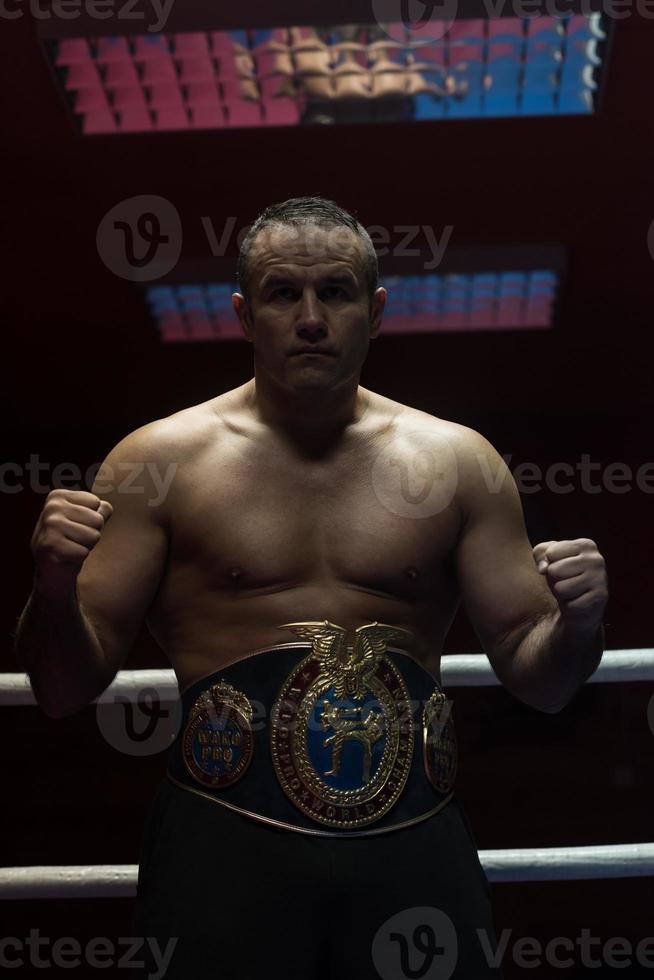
310 417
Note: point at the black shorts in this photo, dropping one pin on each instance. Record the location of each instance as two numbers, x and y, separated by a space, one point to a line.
242 900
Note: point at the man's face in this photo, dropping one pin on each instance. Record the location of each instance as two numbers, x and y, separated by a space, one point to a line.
309 293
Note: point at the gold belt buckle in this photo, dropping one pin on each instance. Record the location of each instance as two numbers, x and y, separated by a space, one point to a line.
341 733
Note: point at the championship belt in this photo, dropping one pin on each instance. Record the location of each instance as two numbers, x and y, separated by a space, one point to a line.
339 731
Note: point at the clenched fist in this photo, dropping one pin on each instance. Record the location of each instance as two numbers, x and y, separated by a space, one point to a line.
69 526
576 576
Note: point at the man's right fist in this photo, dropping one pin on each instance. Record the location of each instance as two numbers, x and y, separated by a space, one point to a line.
69 526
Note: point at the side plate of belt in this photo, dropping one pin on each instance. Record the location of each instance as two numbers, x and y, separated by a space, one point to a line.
339 734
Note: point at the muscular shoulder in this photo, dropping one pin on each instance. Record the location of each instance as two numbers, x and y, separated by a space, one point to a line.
406 421
481 472
468 456
178 436
143 467
482 476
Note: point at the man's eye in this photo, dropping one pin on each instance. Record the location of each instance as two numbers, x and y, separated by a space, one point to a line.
288 292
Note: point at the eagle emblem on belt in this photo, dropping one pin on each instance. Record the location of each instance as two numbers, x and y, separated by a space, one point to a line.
349 656
341 741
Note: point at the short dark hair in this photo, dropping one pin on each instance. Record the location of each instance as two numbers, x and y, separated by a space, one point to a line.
300 211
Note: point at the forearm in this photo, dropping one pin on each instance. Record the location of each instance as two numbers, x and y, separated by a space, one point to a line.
59 649
552 662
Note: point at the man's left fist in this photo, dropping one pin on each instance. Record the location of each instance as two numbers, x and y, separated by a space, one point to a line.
576 576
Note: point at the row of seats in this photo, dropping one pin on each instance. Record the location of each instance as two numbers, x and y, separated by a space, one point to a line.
266 43
415 304
239 78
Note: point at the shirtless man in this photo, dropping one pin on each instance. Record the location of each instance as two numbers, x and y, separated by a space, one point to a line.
287 505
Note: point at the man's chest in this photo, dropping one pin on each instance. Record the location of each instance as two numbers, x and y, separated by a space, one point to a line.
261 519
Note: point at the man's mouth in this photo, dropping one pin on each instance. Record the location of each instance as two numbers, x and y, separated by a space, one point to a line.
313 353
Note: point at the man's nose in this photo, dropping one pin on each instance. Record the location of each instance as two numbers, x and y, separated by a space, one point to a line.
310 317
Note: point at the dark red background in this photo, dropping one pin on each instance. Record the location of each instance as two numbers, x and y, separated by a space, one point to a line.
84 366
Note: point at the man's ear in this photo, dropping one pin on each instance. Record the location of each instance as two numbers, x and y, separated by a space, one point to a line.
377 311
242 309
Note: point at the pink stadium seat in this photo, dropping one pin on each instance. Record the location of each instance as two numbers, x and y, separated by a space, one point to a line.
110 49
121 72
208 117
172 118
160 69
242 113
191 45
129 97
91 99
149 46
133 120
99 121
203 94
281 112
72 51
82 74
165 95
196 69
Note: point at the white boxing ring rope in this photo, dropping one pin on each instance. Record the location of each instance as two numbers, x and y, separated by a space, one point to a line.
525 864
508 865
457 670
